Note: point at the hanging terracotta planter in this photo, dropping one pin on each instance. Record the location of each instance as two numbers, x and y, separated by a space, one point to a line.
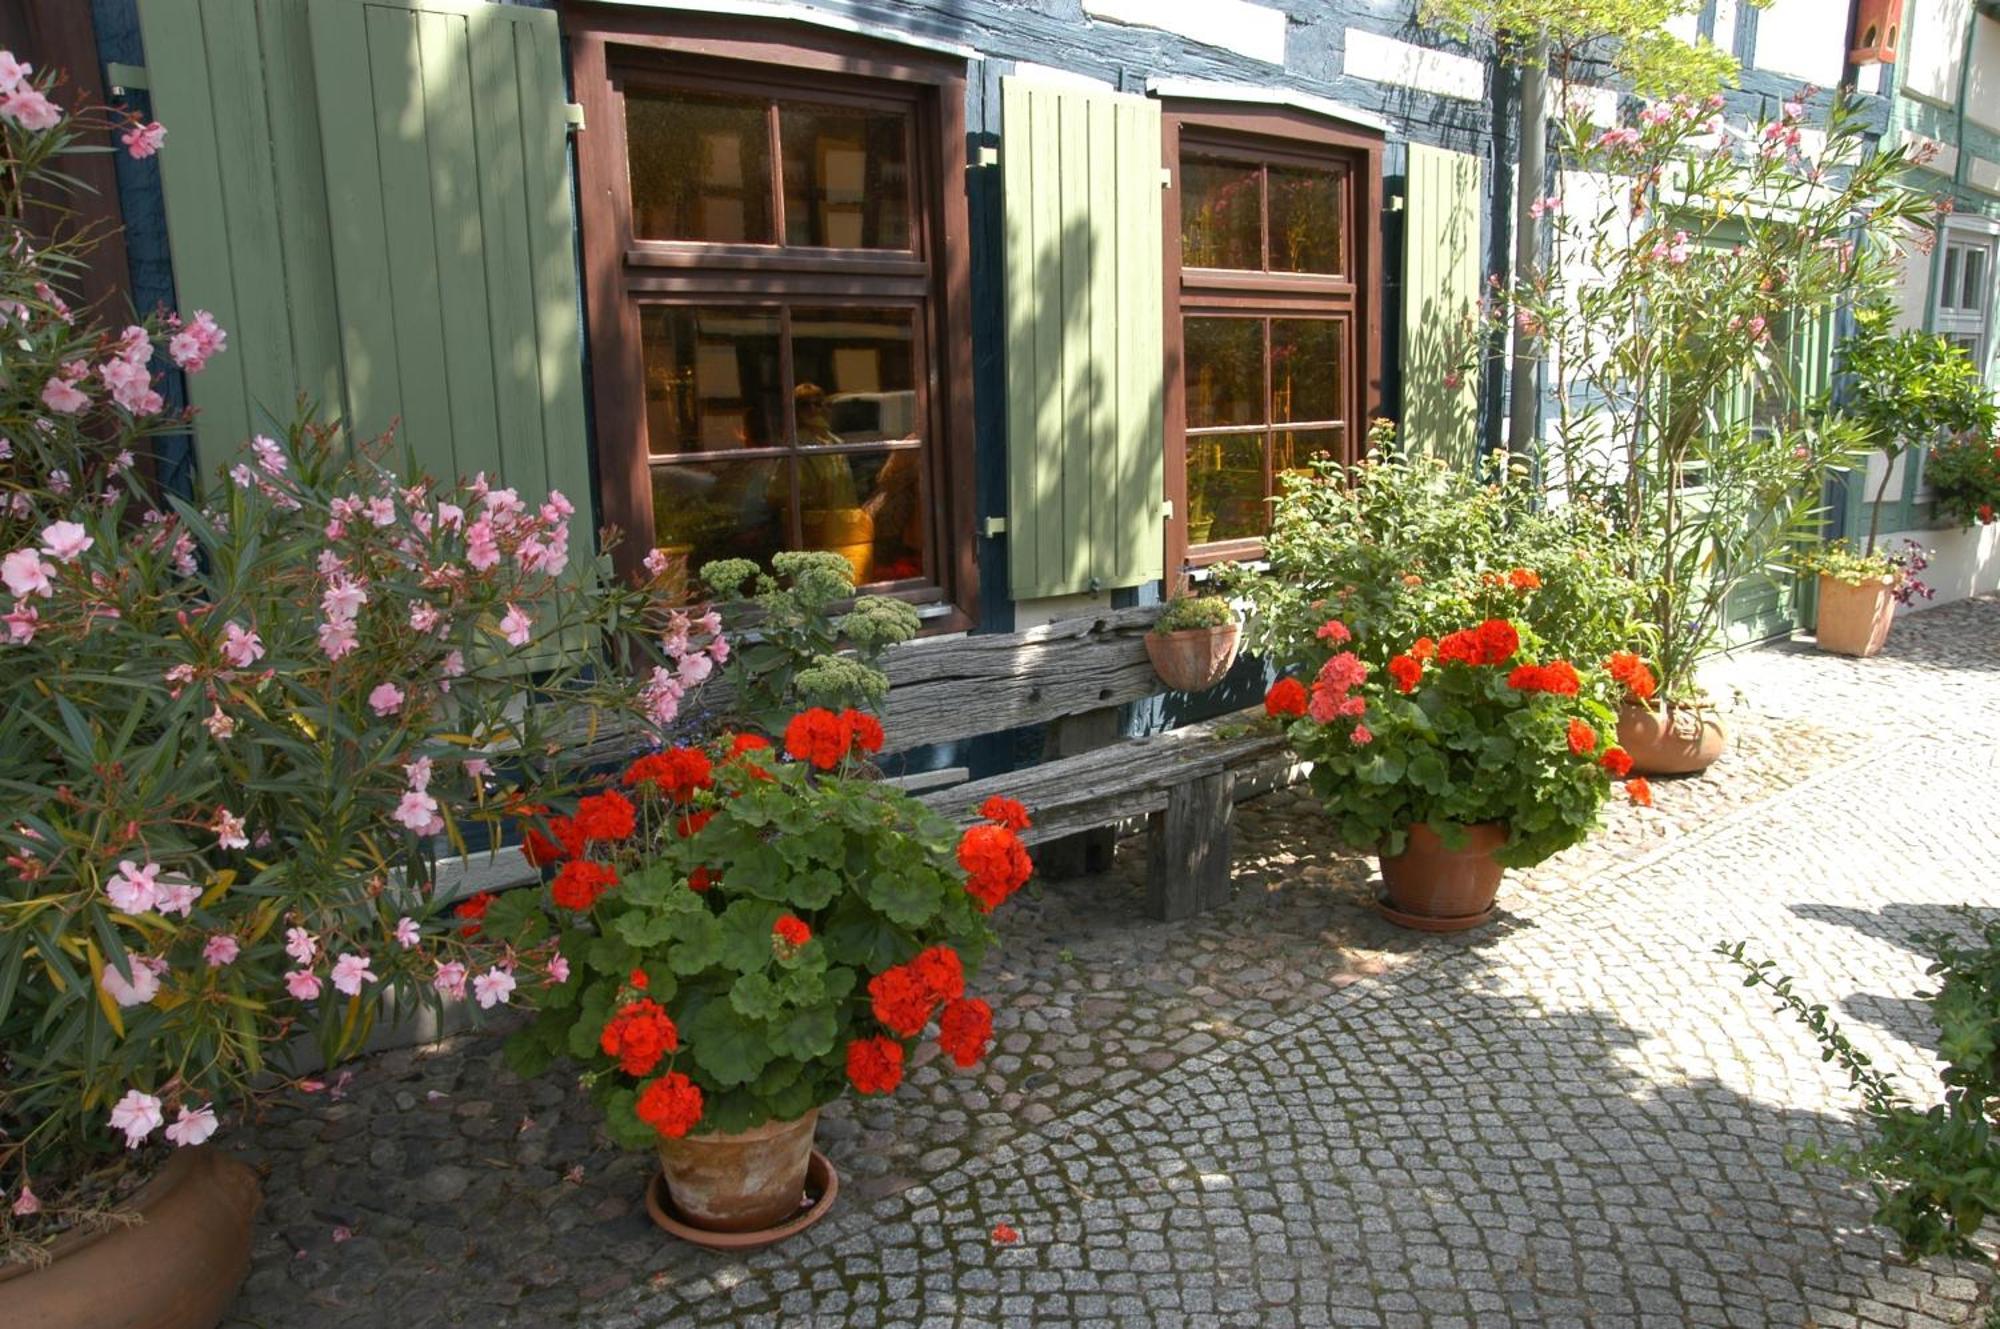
1664 739
1854 619
177 1268
1433 888
1193 659
740 1191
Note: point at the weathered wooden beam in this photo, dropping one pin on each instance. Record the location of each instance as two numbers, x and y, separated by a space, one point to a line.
1092 850
1188 854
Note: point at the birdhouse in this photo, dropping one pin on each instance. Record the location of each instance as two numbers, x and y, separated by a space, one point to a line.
1878 26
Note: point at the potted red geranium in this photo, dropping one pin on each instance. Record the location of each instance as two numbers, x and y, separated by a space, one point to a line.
1462 758
750 933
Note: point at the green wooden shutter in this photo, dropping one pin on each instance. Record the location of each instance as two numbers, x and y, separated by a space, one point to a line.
246 207
1085 431
445 146
1441 289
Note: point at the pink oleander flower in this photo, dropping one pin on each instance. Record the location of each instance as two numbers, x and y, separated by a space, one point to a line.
385 699
133 889
655 563
143 140
453 665
13 73
65 541
303 984
177 895
482 547
269 455
28 108
229 830
26 1203
337 639
450 979
221 949
220 726
407 933
137 1115
343 599
476 768
694 668
418 773
416 810
64 398
21 622
350 971
141 987
26 574
193 1126
423 616
382 511
558 968
131 386
241 646
301 945
516 626
493 988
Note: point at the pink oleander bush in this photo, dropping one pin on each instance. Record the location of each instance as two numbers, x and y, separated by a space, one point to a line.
237 734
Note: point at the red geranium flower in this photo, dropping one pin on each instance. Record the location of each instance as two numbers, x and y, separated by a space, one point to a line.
639 1035
580 882
605 816
1423 648
864 730
1582 738
1462 647
1629 670
742 743
996 864
1617 761
567 835
965 1029
1286 697
1406 670
637 978
1558 677
472 910
819 737
1004 811
1639 791
671 1105
941 972
901 1000
701 879
675 773
875 1065
792 931
1522 579
1497 641
539 849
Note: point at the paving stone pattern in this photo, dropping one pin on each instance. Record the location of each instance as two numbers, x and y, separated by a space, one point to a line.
1286 1112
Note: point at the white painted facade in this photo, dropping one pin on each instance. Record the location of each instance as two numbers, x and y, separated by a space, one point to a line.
1803 39
1382 59
1257 31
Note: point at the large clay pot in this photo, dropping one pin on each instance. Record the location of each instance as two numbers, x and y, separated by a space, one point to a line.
1193 659
849 532
179 1268
1855 619
1437 889
745 1182
1670 740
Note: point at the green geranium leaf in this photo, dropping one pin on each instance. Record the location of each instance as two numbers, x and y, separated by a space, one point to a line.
697 942
621 1120
746 934
755 997
858 936
610 955
656 884
911 898
805 1034
730 1048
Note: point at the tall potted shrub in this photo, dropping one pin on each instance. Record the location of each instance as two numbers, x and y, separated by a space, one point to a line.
1686 276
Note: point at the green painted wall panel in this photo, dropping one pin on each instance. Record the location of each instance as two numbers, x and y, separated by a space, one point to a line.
1441 290
1085 439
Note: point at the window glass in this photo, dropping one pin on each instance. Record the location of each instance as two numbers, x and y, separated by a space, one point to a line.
713 379
856 374
1307 232
1295 450
847 177
701 167
1222 214
1225 484
1974 295
1307 370
728 509
1225 372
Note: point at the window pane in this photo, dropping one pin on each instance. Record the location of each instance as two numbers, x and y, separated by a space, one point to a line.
1225 371
1225 479
701 167
867 507
1948 288
847 177
732 509
856 375
1294 450
1975 280
1221 215
1306 231
712 379
1308 369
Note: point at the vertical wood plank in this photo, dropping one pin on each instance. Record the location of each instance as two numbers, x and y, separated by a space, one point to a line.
299 188
1188 849
1441 289
1078 243
1099 296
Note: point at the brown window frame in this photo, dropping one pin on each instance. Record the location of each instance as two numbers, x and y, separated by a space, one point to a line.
1273 135
611 46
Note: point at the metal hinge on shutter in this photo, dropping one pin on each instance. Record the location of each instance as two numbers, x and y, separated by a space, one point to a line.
573 113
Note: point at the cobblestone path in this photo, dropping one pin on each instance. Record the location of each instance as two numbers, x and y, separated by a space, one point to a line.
1287 1113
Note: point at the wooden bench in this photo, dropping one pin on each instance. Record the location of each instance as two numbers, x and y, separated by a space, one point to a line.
1074 676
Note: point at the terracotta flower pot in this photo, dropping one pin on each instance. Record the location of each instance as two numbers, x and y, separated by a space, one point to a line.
1436 889
1193 659
179 1268
1670 740
1855 620
745 1182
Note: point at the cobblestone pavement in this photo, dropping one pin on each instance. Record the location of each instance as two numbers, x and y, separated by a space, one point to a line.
1286 1112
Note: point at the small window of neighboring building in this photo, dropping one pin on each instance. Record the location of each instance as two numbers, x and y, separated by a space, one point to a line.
774 242
1965 292
1273 264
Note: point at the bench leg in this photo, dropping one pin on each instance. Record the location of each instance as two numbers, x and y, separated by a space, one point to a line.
1188 846
1076 855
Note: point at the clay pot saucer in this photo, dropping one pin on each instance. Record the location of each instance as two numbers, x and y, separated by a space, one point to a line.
822 1187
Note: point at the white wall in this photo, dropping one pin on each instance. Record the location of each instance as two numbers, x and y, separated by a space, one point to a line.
1934 38
1963 563
1795 37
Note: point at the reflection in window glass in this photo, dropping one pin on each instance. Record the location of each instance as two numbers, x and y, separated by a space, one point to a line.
1225 481
1225 371
1306 230
1222 214
1306 370
733 509
1294 450
712 379
868 508
847 177
701 167
856 375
